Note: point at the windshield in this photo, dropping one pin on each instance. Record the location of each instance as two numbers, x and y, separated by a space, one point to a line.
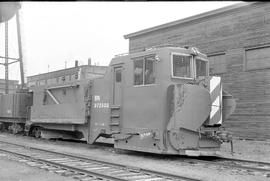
185 66
201 67
182 66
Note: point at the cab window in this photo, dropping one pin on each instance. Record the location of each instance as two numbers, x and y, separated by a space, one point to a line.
138 72
201 67
144 71
181 66
118 75
149 70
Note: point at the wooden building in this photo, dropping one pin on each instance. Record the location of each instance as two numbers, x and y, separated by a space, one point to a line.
66 75
236 39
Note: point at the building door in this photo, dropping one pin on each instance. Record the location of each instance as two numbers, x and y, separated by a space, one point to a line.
117 92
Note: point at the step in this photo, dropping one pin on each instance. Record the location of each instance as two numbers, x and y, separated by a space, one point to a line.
114 124
115 116
115 107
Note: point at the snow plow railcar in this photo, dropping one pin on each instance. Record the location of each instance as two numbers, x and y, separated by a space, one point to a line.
161 101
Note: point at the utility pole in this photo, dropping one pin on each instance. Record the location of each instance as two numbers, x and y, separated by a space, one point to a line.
6 58
20 48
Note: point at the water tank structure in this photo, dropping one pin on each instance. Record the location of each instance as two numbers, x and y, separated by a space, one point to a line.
8 10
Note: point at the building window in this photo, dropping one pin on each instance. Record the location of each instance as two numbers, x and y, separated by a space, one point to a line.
217 63
181 66
52 81
144 71
30 84
64 91
42 82
257 58
72 77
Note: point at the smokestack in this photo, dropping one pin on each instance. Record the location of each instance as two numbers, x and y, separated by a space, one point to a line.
89 61
76 63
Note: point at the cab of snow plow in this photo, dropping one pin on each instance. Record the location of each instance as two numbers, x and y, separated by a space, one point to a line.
166 102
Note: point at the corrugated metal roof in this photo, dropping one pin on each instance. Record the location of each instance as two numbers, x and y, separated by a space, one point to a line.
65 71
192 18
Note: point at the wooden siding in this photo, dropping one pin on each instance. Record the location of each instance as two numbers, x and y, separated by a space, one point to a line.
217 64
258 58
243 36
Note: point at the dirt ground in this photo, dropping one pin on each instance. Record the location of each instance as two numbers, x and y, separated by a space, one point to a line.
248 150
252 150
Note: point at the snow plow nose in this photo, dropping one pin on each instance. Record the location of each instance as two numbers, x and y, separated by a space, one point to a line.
188 106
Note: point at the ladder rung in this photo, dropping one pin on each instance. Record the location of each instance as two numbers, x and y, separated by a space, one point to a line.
115 107
114 124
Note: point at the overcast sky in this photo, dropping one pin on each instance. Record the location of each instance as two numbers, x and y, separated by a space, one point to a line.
57 32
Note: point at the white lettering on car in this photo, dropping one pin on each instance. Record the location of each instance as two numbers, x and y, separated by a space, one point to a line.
101 105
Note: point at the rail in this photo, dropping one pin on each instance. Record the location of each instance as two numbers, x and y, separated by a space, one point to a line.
84 168
262 168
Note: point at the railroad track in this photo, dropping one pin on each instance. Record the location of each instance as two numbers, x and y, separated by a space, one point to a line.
262 168
245 164
81 168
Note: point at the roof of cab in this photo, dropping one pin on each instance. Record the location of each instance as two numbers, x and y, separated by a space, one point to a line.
119 59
